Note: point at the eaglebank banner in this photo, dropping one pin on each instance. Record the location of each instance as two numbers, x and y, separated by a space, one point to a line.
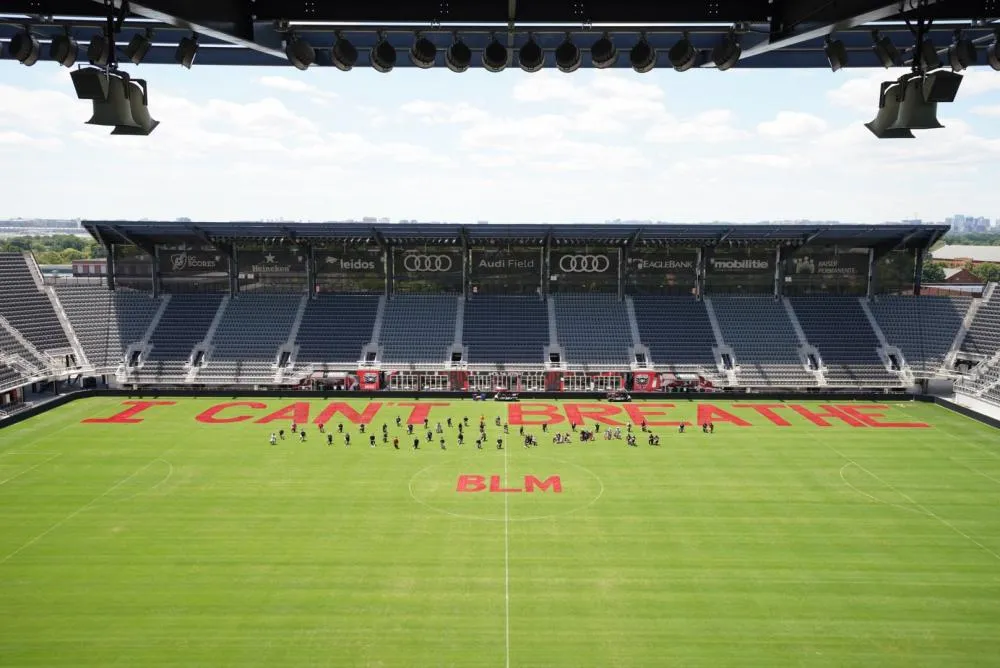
529 413
505 262
192 261
847 264
663 262
350 262
583 262
277 261
427 262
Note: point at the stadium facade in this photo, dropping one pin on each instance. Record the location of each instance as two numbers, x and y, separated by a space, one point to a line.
526 307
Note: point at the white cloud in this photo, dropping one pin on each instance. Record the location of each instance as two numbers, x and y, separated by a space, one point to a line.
792 125
715 126
986 110
297 86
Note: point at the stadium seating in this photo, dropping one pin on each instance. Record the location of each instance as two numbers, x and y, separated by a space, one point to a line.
107 322
983 337
506 329
764 341
184 324
335 329
418 328
246 342
593 329
11 346
838 327
923 328
677 331
9 377
27 308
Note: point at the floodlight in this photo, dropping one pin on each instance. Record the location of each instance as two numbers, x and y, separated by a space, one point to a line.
604 53
916 113
836 54
962 53
928 56
187 50
568 56
642 56
458 57
888 113
423 53
116 110
24 48
344 54
495 56
138 47
142 123
941 86
383 56
683 56
993 52
530 56
299 52
64 50
91 83
886 52
99 50
727 52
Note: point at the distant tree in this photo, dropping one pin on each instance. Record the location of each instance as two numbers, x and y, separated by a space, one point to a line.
974 239
988 271
933 272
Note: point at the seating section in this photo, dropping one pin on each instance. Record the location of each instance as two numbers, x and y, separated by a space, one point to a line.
839 329
763 340
26 308
9 378
593 329
11 346
335 329
246 342
511 329
924 328
184 324
983 383
983 337
107 322
677 332
418 328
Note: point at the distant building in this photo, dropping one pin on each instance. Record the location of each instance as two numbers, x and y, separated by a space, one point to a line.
95 267
956 255
960 275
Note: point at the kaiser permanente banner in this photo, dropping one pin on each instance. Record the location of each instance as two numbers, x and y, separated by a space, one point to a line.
828 263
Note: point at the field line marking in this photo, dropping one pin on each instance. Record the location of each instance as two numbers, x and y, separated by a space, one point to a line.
919 505
76 512
28 470
45 434
963 442
874 498
506 555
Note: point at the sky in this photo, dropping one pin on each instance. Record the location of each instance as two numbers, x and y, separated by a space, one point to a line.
595 145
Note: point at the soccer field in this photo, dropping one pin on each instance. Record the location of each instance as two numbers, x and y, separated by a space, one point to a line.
178 536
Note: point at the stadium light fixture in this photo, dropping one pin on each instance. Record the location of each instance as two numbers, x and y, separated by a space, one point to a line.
343 54
99 50
64 49
91 83
530 56
187 50
458 57
642 56
888 113
886 52
915 112
115 110
962 53
993 51
941 86
836 54
495 56
727 52
299 52
928 56
383 55
683 56
603 52
138 99
568 56
24 48
138 47
423 53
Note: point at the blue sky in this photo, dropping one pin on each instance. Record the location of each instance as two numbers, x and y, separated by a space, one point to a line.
743 145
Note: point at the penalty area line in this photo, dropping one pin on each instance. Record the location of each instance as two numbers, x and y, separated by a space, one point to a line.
506 557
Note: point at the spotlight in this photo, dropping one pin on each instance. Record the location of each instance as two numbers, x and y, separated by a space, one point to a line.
916 113
568 56
458 57
344 54
186 51
495 56
531 56
928 56
642 57
962 53
138 47
886 52
99 50
604 53
423 53
24 48
888 113
64 50
993 52
138 98
683 56
727 52
941 86
836 54
383 55
299 52
116 110
91 83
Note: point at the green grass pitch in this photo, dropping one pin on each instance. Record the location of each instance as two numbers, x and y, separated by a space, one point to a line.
175 542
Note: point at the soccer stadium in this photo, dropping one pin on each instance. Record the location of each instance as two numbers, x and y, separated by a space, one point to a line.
490 444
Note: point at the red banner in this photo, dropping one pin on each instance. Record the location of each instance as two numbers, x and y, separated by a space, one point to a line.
368 380
645 381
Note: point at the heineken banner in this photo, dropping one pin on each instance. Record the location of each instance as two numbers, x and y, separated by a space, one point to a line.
349 262
427 269
740 270
661 270
505 270
273 262
584 269
185 260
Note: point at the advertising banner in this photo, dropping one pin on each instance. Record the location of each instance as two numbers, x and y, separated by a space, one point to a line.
349 262
828 263
505 262
190 261
748 270
584 270
427 262
661 270
279 261
645 381
368 380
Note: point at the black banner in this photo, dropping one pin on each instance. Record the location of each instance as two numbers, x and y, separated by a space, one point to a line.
661 271
589 269
427 269
505 270
192 261
827 263
748 270
349 262
273 262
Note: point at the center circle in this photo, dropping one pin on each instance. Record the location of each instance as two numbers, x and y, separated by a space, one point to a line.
533 487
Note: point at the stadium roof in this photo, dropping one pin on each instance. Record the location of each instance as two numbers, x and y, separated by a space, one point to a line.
147 233
772 33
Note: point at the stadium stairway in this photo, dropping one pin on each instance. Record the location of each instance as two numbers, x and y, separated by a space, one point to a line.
983 337
28 309
924 328
184 324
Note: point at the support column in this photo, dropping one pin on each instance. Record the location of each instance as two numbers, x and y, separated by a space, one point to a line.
156 271
703 254
622 259
387 263
871 273
779 272
110 250
234 271
546 269
307 250
918 271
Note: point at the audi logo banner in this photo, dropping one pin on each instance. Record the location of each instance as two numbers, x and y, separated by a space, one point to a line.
428 262
594 262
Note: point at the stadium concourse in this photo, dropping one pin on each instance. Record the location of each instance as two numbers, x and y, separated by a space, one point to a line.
407 307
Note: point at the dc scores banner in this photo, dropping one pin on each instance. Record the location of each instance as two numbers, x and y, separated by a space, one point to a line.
188 261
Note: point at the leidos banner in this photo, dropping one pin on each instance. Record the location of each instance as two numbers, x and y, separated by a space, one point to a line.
268 262
427 262
506 262
191 261
350 262
570 262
